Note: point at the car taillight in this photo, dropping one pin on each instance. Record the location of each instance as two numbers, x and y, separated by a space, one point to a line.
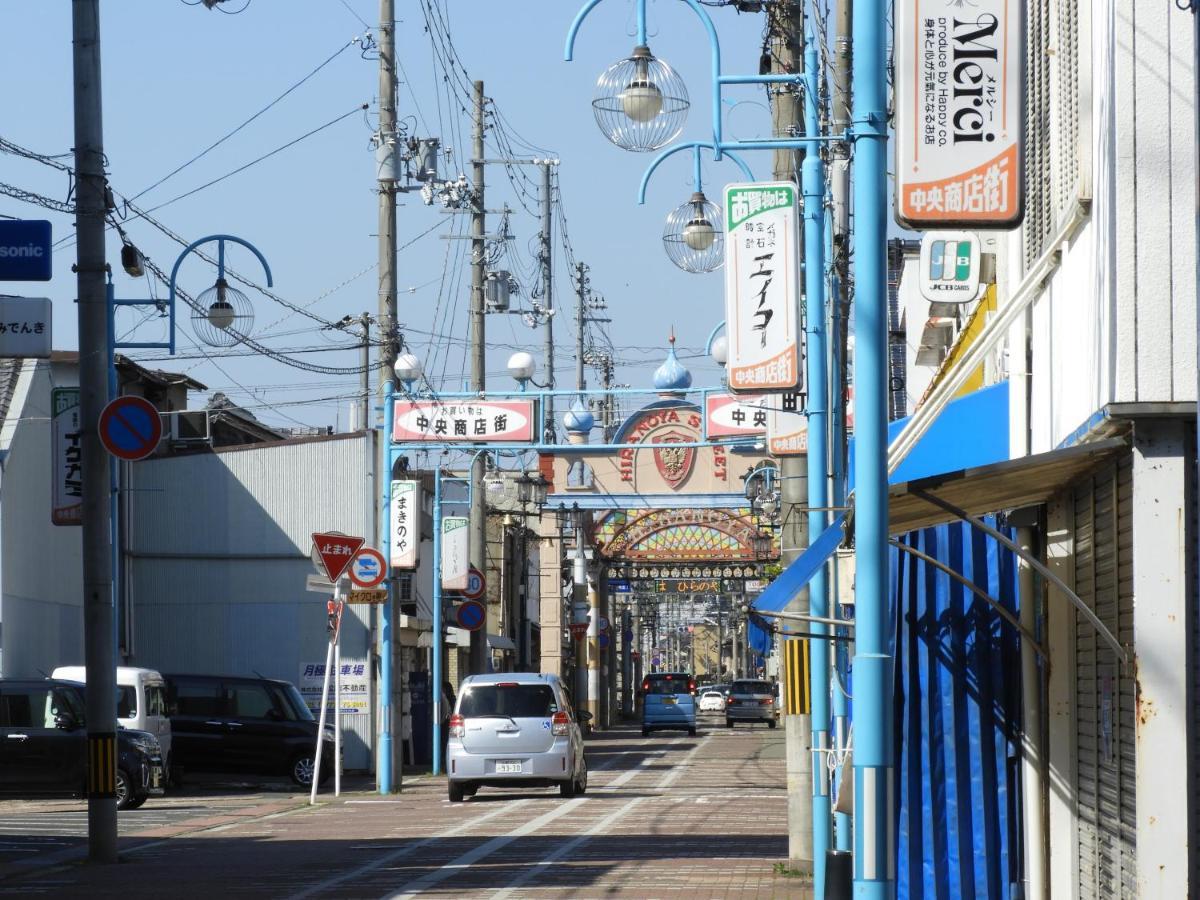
458 726
646 686
731 702
559 724
691 687
766 701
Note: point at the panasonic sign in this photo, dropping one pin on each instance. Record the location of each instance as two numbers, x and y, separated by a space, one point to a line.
25 250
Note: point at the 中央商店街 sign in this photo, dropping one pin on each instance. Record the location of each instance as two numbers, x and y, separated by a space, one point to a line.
960 75
462 421
762 287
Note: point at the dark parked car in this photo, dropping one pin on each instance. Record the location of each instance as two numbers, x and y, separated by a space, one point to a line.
43 746
255 726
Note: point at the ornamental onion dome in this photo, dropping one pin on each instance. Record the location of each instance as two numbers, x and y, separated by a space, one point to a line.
672 377
578 419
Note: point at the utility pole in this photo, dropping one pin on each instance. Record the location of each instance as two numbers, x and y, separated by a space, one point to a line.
390 756
548 295
785 31
478 348
99 636
581 293
364 399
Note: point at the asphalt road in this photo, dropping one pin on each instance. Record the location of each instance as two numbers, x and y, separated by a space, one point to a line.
664 816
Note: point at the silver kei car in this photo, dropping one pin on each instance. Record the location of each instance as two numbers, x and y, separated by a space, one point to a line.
514 730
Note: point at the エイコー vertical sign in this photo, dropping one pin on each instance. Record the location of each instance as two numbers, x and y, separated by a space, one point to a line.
67 502
762 287
405 525
960 74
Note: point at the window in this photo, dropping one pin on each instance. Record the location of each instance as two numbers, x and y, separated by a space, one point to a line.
752 687
667 684
250 701
156 700
126 702
199 698
16 708
521 701
296 704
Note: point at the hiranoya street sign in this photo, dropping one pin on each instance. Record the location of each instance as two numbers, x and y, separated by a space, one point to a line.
949 267
462 421
787 430
25 250
336 551
404 524
67 502
456 564
730 416
960 76
762 287
25 327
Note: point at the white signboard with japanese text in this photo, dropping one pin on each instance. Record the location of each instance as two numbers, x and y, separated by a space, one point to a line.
949 266
24 328
404 525
356 687
462 421
960 75
730 416
787 428
762 287
67 501
456 563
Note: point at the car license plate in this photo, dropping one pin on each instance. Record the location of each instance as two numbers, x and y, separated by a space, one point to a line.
669 701
507 766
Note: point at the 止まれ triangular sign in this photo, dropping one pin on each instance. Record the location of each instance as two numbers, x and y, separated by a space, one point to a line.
336 551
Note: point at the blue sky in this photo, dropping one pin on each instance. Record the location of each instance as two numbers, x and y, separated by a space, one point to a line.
177 77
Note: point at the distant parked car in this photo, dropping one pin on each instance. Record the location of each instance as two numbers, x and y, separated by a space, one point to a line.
751 700
514 730
255 726
712 701
141 703
43 751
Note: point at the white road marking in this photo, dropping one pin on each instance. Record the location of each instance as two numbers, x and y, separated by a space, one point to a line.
599 828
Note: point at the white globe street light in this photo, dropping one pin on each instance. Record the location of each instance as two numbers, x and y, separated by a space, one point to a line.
693 237
221 313
407 368
720 350
641 103
521 366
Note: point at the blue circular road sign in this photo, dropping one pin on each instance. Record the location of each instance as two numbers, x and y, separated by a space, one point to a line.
130 428
470 615
603 640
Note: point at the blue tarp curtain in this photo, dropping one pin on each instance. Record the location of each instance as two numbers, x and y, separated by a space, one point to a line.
958 717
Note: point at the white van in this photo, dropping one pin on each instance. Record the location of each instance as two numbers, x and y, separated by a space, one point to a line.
141 702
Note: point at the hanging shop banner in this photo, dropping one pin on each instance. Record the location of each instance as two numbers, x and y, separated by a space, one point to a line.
960 75
949 270
67 501
730 416
787 430
762 287
404 527
462 421
456 563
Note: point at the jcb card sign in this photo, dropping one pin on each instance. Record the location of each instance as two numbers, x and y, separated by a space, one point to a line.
960 74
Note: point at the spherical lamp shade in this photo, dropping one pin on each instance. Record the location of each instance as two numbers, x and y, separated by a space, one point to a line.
641 103
521 365
693 236
407 368
223 315
720 350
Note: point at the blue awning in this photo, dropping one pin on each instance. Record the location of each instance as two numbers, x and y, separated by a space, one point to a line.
783 590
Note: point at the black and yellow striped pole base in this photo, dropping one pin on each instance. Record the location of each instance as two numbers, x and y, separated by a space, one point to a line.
796 699
102 765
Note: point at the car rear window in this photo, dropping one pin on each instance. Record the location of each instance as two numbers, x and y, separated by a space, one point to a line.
752 687
521 701
662 684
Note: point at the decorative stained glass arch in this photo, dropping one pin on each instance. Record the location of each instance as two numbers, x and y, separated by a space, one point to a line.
667 535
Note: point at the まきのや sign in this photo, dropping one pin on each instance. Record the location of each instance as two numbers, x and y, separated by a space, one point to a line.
960 75
762 287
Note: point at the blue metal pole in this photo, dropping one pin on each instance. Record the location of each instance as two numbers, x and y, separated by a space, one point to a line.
874 844
812 181
641 22
435 689
384 760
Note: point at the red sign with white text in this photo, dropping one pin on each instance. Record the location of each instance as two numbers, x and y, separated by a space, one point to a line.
336 551
730 416
462 421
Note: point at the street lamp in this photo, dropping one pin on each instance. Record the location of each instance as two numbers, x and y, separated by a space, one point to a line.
641 103
693 236
720 350
521 366
407 368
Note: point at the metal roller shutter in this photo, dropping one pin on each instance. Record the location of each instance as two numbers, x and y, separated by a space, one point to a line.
1104 704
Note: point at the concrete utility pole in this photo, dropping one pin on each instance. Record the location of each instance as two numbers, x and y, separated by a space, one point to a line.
581 292
390 756
547 254
364 420
99 637
785 30
478 348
